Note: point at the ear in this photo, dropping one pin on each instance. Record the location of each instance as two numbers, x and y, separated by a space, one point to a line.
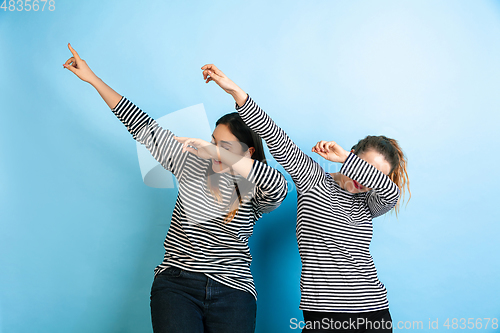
250 152
352 150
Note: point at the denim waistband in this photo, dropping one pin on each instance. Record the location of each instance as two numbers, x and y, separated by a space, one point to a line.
179 272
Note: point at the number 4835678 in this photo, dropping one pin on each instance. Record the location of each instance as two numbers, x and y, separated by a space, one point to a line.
27 5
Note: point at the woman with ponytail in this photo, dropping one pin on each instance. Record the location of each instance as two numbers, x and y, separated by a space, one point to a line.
392 153
340 289
204 283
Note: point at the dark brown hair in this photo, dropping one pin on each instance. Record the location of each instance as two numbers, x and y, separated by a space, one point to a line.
392 152
247 139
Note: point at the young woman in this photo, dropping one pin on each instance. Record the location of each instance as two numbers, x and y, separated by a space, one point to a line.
204 283
339 283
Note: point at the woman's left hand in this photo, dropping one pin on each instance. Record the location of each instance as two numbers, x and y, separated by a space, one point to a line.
198 147
331 151
212 73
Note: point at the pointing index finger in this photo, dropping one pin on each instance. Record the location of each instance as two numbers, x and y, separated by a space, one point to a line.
75 54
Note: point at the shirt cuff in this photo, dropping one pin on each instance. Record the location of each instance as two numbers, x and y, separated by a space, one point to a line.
119 104
237 107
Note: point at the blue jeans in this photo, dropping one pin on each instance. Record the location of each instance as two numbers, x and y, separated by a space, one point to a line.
363 322
183 301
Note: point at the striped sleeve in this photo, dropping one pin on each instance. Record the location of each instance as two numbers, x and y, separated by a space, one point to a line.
145 130
384 194
305 172
271 187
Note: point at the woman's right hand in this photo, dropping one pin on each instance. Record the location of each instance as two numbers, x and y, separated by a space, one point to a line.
79 67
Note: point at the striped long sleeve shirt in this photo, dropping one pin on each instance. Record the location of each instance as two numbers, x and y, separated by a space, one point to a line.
334 226
198 239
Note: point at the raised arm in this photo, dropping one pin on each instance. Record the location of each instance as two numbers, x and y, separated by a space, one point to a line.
385 193
159 141
305 172
80 68
271 186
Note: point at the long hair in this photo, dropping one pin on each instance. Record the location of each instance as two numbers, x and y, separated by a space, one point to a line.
247 139
392 152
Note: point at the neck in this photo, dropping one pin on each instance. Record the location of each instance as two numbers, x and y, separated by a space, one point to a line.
339 179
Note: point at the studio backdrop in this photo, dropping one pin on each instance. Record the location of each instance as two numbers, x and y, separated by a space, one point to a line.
81 231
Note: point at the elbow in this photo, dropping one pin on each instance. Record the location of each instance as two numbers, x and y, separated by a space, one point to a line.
274 200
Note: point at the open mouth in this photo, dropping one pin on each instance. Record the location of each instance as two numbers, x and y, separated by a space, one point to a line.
357 185
216 162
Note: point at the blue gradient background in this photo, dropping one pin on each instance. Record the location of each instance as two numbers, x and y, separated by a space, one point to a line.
80 234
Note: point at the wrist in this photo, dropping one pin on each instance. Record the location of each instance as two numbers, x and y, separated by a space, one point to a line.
240 97
94 81
346 155
213 151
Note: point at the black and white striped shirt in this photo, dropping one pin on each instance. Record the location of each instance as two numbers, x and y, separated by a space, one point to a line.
334 226
199 240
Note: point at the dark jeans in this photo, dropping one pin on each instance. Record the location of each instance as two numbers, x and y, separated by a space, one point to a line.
366 322
183 301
